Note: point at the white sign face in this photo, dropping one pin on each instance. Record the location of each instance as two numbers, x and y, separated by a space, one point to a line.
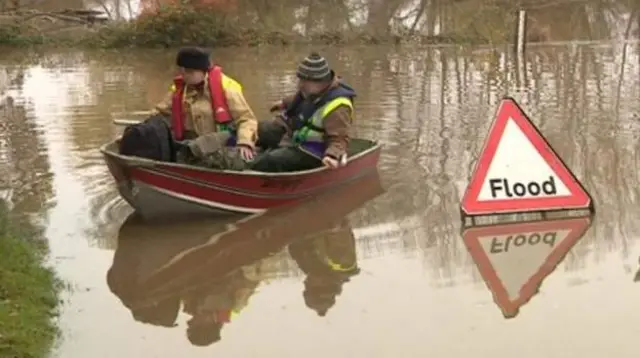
516 258
518 171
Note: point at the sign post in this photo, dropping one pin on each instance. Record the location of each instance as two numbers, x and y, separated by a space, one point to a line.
518 171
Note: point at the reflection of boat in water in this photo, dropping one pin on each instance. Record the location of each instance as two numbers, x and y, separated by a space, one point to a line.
514 259
213 267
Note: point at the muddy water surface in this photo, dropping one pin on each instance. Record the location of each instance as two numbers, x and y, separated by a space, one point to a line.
386 275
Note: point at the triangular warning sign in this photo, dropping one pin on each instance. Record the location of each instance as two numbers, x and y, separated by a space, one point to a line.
514 259
518 171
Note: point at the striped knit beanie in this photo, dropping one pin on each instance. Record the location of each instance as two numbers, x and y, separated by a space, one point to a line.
314 68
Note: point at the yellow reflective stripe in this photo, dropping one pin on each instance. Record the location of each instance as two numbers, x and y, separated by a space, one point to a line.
335 103
338 267
307 134
318 117
229 83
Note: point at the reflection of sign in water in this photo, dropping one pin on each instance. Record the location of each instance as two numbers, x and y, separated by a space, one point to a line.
514 259
518 171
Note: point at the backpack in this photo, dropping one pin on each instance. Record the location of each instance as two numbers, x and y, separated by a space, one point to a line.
150 139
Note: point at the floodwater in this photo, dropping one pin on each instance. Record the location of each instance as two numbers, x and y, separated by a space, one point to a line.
380 271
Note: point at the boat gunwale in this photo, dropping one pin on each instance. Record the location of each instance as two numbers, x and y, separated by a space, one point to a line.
215 205
131 161
249 192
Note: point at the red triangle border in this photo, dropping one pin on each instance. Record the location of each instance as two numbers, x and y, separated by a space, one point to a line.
470 205
578 228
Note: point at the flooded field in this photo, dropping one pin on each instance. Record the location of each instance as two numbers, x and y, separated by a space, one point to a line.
387 274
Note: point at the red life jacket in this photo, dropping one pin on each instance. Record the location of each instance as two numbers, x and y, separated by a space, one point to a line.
219 106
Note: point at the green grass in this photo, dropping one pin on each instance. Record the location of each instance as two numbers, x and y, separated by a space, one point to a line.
28 291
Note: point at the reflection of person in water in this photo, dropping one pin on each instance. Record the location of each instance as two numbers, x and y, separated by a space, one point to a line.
143 249
140 252
218 304
329 261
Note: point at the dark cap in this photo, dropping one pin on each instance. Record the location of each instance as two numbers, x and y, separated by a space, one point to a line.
193 58
314 68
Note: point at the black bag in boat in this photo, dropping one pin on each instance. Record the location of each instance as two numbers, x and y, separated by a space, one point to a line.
150 139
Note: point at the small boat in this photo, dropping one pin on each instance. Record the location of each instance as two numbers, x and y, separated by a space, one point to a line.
161 189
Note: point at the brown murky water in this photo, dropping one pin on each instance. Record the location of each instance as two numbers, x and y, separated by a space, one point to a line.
395 276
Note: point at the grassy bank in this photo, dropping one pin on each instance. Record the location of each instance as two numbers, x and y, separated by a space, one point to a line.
28 291
252 23
179 25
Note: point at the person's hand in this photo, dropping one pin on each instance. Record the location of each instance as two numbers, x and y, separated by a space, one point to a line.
330 162
277 106
246 152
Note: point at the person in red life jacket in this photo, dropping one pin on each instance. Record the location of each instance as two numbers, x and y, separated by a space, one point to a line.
314 127
137 259
208 110
214 306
